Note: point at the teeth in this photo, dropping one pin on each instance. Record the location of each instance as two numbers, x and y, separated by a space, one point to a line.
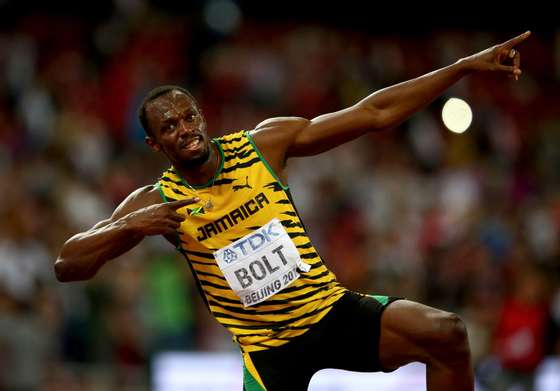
193 143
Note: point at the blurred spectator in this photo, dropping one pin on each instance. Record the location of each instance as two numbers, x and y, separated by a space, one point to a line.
464 222
520 334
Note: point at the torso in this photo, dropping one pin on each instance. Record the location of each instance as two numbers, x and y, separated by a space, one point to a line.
246 195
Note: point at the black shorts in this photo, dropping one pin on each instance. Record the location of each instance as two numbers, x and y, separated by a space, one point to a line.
346 338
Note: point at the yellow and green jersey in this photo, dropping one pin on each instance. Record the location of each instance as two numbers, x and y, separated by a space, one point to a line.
244 195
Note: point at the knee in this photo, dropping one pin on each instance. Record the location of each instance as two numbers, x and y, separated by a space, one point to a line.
451 335
452 329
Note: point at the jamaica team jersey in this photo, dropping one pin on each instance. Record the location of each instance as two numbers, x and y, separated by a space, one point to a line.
253 261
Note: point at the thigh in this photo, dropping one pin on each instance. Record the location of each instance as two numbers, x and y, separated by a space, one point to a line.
351 336
411 332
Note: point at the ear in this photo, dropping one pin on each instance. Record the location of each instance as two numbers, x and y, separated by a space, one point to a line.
153 144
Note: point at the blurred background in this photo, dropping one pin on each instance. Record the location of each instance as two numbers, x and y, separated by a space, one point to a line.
465 222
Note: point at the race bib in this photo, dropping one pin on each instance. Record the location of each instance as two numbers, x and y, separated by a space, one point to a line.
261 263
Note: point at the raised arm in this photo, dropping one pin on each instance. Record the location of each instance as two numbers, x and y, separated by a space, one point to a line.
281 138
141 214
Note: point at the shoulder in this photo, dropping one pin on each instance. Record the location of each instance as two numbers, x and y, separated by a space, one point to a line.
140 198
277 130
146 194
281 123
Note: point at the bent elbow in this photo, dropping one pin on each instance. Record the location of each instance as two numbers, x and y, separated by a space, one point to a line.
60 271
65 273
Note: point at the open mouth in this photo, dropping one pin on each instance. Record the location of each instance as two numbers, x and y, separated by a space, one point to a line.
192 144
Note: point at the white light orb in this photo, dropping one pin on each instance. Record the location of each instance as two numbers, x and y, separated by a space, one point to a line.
456 115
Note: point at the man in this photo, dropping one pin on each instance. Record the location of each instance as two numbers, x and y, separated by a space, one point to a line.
225 205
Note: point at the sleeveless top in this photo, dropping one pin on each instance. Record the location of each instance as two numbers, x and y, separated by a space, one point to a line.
246 195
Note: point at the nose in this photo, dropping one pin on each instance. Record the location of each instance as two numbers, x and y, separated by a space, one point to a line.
186 127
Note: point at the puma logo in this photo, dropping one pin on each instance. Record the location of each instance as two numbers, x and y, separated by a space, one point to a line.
246 185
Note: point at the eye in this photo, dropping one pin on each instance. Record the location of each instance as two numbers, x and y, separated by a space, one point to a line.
169 127
191 117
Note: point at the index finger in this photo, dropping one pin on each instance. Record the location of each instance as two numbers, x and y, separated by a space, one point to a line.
180 203
516 40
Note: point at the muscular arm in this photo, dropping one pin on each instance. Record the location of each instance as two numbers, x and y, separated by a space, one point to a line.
281 138
85 253
141 214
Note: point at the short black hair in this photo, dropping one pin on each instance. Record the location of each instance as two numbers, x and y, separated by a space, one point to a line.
152 95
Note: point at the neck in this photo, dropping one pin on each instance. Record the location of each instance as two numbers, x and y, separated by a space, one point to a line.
196 176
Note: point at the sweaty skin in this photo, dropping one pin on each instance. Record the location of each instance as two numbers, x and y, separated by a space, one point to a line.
409 331
180 128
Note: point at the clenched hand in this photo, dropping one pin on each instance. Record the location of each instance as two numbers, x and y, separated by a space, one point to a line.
158 219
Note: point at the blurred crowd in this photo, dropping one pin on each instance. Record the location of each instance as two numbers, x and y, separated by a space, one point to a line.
468 223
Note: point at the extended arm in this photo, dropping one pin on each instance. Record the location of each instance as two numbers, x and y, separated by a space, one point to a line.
281 138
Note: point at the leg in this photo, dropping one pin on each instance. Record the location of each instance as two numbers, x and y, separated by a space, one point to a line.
414 332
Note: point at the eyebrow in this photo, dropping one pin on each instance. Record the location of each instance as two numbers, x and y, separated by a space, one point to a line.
173 118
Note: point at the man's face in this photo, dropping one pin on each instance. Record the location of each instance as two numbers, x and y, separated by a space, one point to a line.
178 128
